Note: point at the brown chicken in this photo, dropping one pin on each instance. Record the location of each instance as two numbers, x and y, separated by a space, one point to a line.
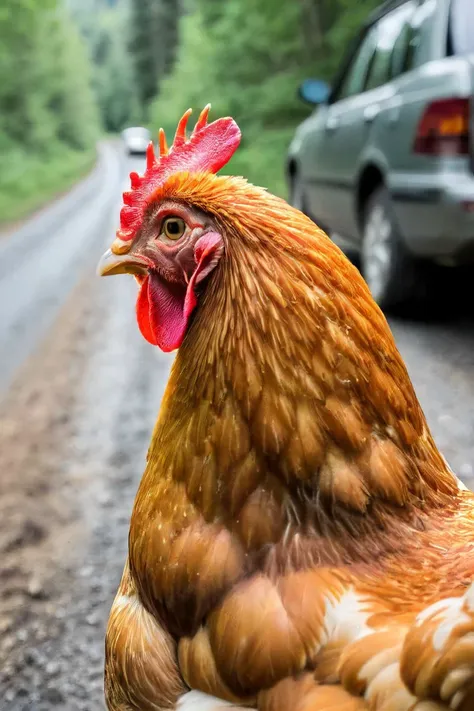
297 543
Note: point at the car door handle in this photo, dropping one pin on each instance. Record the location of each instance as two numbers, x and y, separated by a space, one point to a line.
395 111
332 123
394 116
371 113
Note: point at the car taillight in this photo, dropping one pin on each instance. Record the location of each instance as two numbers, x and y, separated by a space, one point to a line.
444 128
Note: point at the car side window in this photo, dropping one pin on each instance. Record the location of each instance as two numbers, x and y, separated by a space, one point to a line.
400 48
420 29
390 28
354 81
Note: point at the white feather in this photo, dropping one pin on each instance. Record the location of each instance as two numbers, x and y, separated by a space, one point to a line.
197 701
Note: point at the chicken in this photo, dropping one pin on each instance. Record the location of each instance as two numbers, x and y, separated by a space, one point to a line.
297 542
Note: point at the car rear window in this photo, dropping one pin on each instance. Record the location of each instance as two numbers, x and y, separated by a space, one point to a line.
461 27
390 30
419 36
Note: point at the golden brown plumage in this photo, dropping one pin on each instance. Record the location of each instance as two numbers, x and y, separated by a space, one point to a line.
295 516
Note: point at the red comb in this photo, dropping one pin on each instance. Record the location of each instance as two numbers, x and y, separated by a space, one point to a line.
208 149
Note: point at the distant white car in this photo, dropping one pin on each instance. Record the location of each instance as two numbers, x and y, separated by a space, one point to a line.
136 139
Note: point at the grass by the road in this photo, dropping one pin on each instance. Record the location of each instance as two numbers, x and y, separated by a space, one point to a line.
29 181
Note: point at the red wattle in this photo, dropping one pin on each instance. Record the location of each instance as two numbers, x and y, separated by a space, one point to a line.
164 307
143 313
161 313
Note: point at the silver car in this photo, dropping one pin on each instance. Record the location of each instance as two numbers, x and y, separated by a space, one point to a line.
386 160
136 140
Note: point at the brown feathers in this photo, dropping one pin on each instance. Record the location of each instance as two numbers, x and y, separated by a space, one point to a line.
141 663
199 670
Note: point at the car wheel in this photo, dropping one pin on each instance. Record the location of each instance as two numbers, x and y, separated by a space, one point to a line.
297 196
386 265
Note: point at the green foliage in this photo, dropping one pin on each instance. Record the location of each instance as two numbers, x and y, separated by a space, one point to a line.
105 26
46 105
113 80
247 58
131 45
27 181
152 43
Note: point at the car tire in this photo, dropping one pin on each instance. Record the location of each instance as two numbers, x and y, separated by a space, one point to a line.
297 195
388 268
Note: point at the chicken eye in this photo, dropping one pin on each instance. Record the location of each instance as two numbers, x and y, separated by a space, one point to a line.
173 227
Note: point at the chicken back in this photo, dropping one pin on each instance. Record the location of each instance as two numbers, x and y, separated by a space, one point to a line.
297 542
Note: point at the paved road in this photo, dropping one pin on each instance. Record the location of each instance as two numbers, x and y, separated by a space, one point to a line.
79 392
41 262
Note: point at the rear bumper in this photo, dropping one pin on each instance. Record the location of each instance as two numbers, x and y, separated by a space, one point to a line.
436 215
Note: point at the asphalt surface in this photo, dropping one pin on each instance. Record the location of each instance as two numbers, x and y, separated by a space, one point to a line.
79 393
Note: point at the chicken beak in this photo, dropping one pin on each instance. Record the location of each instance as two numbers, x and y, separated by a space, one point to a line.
111 263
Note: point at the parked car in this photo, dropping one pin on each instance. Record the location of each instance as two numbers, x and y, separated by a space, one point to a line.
387 158
136 140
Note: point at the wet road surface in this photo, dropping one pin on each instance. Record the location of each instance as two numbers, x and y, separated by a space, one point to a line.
79 393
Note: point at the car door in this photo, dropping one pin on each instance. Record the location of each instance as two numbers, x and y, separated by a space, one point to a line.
330 154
